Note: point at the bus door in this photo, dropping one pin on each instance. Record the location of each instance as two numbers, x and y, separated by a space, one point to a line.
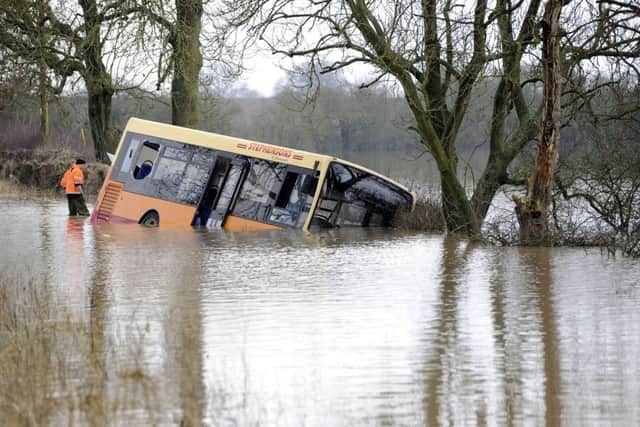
225 177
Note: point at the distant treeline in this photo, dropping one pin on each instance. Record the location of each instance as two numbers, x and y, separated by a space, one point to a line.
367 126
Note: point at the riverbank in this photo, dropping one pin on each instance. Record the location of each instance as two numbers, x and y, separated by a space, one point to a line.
40 170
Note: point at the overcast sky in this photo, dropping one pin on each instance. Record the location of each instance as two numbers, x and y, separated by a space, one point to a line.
262 74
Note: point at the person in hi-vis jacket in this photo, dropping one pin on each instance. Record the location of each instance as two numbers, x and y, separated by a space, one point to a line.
73 183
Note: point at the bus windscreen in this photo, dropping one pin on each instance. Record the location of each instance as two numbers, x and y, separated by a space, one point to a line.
353 197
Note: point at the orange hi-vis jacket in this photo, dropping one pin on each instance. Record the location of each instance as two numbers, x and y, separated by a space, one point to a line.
72 179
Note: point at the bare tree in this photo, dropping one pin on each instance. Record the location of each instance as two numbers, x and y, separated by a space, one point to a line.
179 41
8 78
437 51
32 69
586 87
68 40
602 175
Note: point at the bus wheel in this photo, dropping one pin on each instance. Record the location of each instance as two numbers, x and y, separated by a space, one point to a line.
150 219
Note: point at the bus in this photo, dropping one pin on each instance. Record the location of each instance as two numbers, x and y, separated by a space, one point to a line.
169 175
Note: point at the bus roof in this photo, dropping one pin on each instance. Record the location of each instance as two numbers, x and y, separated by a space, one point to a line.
245 147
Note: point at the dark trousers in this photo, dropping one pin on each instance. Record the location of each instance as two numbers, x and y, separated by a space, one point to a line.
77 206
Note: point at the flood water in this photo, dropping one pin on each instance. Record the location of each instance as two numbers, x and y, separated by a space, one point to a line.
346 327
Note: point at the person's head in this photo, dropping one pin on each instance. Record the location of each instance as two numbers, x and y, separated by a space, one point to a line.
80 163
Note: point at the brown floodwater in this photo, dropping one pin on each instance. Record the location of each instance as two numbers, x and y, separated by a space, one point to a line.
345 327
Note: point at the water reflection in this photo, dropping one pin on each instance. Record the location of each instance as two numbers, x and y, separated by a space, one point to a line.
189 336
444 340
541 265
344 327
525 335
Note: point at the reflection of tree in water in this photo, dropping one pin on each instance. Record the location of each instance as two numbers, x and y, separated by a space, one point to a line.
528 272
179 385
98 309
47 246
454 255
510 381
522 331
541 263
74 254
187 327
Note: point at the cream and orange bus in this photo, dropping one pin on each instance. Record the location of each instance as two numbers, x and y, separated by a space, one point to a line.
169 175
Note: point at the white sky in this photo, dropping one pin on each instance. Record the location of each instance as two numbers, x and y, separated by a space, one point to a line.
262 74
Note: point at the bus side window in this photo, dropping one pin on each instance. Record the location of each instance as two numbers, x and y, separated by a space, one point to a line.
129 155
294 200
286 189
146 159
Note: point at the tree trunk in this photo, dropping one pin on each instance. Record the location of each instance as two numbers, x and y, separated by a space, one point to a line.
44 103
533 210
43 79
187 62
456 207
99 84
496 172
99 121
490 181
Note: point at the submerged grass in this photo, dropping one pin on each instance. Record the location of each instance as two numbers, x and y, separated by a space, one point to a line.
57 369
9 187
43 351
427 216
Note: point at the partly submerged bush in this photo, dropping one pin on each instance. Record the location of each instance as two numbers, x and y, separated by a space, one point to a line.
427 215
573 222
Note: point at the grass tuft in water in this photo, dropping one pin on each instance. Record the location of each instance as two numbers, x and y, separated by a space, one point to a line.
53 367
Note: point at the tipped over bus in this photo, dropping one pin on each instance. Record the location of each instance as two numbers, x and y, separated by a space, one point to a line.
168 175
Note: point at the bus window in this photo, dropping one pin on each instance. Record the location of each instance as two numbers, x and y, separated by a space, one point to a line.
180 180
259 190
287 190
294 200
170 171
230 184
220 169
193 183
146 159
276 193
352 214
129 155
